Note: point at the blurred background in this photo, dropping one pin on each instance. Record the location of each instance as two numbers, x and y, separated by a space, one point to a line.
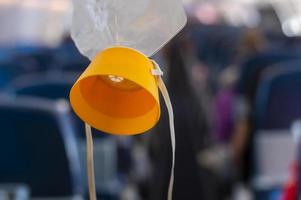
234 76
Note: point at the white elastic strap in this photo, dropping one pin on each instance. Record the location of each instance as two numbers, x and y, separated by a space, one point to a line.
90 162
158 72
166 98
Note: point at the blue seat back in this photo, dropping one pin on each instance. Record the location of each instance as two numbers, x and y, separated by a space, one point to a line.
278 98
38 147
50 86
68 58
253 68
34 58
8 71
54 90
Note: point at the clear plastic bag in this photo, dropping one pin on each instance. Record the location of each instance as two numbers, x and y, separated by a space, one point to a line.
145 25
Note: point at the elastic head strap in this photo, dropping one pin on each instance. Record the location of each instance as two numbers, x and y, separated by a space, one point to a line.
90 162
158 72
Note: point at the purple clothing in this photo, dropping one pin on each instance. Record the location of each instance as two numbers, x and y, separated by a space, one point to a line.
223 115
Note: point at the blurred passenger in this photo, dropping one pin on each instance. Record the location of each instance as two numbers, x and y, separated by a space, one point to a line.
192 180
224 105
230 113
253 42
